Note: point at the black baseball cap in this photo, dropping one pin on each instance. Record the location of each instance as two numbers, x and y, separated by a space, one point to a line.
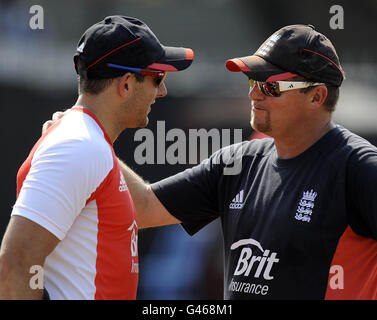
128 42
293 50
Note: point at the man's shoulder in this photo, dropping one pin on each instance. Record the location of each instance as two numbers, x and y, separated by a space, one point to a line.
256 147
351 142
78 127
235 157
76 138
346 149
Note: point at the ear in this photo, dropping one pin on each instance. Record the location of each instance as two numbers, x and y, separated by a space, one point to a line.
317 96
125 84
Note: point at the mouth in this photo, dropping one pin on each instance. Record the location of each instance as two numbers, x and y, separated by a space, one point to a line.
254 107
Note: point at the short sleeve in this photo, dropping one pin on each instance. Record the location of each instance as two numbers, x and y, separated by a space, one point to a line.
192 196
61 178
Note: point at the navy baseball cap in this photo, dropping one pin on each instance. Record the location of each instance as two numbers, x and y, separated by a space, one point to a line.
291 51
128 42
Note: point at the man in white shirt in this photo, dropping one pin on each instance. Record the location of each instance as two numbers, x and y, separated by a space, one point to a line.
74 216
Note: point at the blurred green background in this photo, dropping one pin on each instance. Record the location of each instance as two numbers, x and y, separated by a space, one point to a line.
37 78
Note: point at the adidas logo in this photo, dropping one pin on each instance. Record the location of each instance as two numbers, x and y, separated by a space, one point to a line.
122 186
237 202
81 48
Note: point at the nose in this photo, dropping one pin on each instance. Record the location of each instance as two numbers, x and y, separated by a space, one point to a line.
162 91
255 93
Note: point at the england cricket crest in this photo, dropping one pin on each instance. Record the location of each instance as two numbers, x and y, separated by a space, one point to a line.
305 206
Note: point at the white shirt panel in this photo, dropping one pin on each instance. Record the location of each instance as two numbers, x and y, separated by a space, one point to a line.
66 169
78 250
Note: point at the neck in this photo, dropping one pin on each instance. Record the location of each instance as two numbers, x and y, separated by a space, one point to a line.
102 109
295 144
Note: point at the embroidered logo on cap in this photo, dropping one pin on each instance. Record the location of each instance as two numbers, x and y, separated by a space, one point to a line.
268 44
81 48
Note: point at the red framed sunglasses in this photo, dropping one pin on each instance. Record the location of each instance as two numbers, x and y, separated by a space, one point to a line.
158 76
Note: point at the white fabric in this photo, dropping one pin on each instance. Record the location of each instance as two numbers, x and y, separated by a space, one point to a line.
68 166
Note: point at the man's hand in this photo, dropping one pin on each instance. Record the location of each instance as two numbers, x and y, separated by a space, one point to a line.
55 117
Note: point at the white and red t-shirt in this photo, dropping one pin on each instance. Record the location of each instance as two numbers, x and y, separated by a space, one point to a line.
71 184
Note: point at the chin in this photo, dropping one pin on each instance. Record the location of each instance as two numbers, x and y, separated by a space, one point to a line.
144 123
264 127
139 124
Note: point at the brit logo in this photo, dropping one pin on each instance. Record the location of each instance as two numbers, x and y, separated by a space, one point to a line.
134 251
305 206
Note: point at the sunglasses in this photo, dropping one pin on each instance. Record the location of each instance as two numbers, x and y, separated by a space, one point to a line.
275 88
158 76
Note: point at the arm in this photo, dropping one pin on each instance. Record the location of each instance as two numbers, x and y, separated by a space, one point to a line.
150 211
24 245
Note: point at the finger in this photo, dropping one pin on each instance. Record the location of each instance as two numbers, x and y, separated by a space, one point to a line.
47 125
57 115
